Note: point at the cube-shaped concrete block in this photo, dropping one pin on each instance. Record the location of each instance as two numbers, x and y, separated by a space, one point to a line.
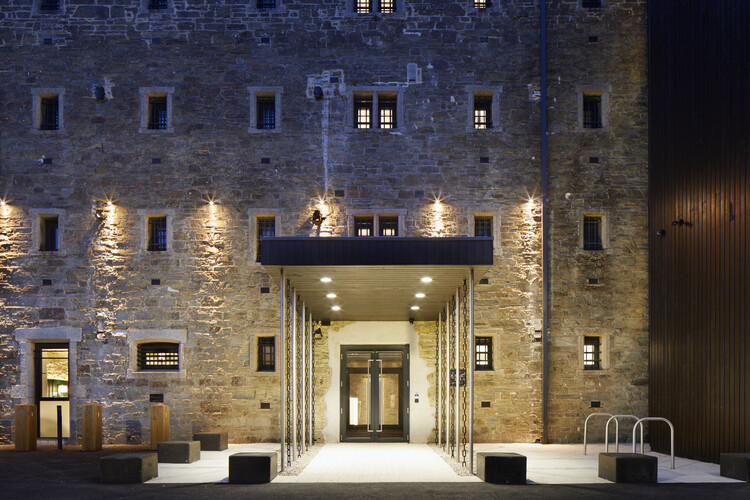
628 467
128 467
212 441
501 468
179 452
252 468
735 465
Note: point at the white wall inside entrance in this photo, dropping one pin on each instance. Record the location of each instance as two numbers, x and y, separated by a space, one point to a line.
422 414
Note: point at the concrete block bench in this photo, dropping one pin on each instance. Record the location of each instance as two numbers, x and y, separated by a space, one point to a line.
628 467
128 467
252 467
179 452
735 465
212 441
501 468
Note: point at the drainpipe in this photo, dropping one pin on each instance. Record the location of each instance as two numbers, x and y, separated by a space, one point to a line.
545 229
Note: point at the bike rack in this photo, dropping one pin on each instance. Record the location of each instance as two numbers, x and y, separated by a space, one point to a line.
660 419
617 431
585 425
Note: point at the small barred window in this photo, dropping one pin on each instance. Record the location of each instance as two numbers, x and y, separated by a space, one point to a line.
159 356
483 225
363 226
483 353
592 353
266 354
388 226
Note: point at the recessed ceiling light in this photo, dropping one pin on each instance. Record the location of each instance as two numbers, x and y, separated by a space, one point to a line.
325 279
331 295
426 279
414 308
336 308
419 295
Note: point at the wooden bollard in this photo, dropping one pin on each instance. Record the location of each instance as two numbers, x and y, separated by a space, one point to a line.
159 424
26 417
91 438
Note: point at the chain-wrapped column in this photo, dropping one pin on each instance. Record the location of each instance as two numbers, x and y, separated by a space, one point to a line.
437 382
287 376
465 368
282 357
308 381
298 372
453 378
445 379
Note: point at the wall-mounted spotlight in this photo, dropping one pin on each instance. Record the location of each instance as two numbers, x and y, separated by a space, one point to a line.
317 218
318 93
661 232
99 94
318 334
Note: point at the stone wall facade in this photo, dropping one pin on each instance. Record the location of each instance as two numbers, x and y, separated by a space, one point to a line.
103 173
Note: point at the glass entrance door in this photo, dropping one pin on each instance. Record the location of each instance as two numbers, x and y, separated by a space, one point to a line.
374 390
52 388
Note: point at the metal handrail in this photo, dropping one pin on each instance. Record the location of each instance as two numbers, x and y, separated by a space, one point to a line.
585 425
660 419
617 432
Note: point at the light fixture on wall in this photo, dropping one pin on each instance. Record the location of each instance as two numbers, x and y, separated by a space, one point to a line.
317 218
318 334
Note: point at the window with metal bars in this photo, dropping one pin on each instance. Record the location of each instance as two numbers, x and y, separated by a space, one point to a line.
591 4
158 4
592 232
388 226
362 111
266 4
49 5
266 111
266 354
386 6
362 6
483 225
159 356
483 353
592 111
482 4
363 226
49 233
592 353
482 111
50 113
266 226
387 111
157 113
157 233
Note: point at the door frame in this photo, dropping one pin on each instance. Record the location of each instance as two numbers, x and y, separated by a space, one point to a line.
38 399
344 390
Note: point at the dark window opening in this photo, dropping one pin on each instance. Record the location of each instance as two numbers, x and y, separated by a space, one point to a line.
157 234
483 225
49 5
483 353
159 356
266 112
592 111
363 111
591 4
363 226
49 230
157 113
387 112
266 4
482 111
592 233
158 4
50 113
266 227
482 4
388 226
266 354
592 359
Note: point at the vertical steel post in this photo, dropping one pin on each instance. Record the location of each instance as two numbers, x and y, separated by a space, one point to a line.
446 402
303 376
439 380
309 378
457 329
470 369
282 339
294 374
545 226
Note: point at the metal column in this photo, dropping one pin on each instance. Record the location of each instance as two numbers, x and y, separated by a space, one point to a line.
438 378
471 372
309 381
282 339
447 380
294 374
457 381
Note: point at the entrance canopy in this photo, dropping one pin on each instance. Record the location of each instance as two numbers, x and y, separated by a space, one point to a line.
376 278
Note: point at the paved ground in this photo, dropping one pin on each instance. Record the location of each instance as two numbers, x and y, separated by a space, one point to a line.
48 474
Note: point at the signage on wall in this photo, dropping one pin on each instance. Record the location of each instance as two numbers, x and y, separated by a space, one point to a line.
461 377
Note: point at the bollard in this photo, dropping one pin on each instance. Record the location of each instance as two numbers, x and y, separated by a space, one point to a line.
91 438
159 424
25 420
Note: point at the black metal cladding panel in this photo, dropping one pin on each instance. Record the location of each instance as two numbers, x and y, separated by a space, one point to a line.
374 251
699 310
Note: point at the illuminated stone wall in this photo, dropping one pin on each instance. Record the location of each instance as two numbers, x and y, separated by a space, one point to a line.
210 284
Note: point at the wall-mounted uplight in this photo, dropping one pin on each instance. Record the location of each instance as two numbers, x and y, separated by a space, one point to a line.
317 218
419 295
415 308
426 279
325 279
2 203
335 308
331 295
